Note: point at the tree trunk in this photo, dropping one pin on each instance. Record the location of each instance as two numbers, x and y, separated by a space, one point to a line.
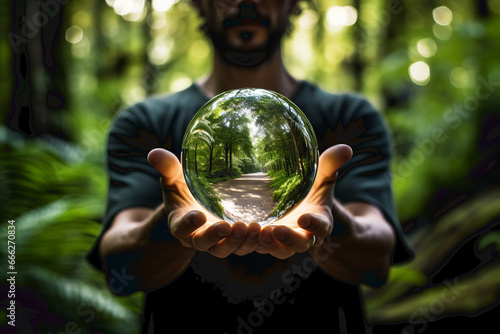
211 160
36 109
231 156
285 157
299 158
226 160
196 158
359 37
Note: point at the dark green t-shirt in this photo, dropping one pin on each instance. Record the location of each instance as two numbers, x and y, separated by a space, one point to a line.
253 293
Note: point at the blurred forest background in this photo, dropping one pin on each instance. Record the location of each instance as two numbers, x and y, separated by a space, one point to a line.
432 67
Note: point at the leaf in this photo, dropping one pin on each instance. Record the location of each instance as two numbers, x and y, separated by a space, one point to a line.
407 275
76 296
488 240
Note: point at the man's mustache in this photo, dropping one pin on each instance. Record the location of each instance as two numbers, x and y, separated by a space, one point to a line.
247 13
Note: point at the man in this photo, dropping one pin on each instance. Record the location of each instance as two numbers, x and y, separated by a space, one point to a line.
202 275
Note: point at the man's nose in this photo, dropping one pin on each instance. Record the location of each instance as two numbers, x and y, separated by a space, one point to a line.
250 2
244 2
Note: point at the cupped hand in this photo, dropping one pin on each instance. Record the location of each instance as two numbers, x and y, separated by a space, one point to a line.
193 225
311 222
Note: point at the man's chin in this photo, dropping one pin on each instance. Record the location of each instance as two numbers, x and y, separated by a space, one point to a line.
246 59
246 55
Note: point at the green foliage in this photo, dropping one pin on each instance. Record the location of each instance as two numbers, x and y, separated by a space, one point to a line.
207 195
286 188
437 124
219 175
56 199
405 274
221 141
410 286
489 241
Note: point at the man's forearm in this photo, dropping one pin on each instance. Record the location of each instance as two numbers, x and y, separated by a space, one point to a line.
138 247
363 245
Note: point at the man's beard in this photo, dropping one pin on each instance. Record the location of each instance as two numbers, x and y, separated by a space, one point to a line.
246 58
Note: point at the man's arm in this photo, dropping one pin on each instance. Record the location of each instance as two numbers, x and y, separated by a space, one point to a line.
363 250
126 248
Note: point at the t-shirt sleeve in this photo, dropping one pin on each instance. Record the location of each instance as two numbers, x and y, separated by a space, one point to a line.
133 182
367 176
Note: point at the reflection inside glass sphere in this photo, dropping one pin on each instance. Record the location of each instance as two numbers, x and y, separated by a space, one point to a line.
249 155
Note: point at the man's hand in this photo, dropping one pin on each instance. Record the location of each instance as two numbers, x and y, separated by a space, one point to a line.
311 222
190 223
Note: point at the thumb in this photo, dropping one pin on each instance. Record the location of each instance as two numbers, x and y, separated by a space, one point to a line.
166 163
331 160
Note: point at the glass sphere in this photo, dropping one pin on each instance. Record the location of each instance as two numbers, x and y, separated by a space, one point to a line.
249 155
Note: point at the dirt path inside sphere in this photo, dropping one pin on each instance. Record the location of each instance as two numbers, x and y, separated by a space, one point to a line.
247 198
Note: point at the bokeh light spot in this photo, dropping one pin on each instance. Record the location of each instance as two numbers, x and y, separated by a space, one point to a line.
82 48
163 5
159 51
459 77
338 17
308 19
442 32
74 34
420 73
199 50
442 15
180 83
81 19
157 20
427 47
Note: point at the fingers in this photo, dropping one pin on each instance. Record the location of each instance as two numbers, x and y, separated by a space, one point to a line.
251 241
167 164
294 239
183 227
176 193
205 238
192 230
277 248
233 241
316 225
220 239
282 241
331 160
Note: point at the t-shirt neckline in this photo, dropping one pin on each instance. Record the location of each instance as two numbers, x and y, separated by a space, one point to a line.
296 95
